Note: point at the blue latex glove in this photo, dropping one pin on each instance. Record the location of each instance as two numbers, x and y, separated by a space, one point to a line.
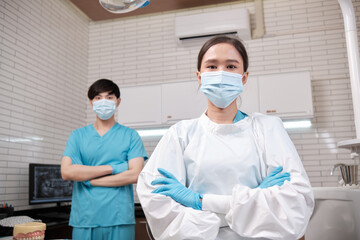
174 189
275 178
119 168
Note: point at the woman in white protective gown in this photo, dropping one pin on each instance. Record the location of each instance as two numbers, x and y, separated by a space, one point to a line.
226 175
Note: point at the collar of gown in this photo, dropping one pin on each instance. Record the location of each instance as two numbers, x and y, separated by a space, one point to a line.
225 128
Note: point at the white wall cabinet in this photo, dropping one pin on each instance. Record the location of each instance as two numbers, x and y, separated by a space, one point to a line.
140 106
182 101
160 105
286 95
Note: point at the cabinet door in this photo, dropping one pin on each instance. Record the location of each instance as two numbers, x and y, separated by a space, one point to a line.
287 95
140 106
181 101
249 98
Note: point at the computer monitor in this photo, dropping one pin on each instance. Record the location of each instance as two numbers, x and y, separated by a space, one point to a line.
46 184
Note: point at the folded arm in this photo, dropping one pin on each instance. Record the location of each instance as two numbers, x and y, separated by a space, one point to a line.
125 178
171 187
80 173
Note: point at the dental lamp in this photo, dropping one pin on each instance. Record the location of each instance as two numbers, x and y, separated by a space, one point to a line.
123 6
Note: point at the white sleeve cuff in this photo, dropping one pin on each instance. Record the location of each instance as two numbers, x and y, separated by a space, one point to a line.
216 203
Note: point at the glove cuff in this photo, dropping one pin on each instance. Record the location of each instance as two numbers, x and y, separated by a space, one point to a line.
198 205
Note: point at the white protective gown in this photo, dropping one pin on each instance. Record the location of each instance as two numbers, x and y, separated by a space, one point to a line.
225 163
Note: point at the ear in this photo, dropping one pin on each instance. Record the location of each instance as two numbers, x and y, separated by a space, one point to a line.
198 75
118 102
91 103
245 76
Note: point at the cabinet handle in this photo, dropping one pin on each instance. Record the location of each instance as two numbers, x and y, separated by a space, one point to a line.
142 222
270 111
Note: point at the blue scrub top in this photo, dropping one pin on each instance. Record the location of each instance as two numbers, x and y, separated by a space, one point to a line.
103 206
239 116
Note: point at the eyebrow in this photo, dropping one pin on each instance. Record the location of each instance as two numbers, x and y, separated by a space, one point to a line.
106 95
215 61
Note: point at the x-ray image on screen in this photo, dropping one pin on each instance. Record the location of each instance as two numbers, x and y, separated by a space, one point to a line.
46 184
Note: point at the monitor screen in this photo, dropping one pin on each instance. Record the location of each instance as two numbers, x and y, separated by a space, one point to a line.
46 184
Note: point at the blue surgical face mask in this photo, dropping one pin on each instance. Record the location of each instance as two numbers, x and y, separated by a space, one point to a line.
221 87
104 108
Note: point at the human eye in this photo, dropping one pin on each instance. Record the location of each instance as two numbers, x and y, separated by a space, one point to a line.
212 67
231 67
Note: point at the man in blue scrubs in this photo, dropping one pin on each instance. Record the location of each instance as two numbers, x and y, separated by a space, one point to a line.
103 159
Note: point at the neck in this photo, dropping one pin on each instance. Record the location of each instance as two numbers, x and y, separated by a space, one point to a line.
222 115
104 124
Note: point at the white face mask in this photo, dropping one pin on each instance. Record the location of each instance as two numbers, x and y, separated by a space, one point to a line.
104 108
221 87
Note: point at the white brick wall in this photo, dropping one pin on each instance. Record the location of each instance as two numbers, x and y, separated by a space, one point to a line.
43 80
300 35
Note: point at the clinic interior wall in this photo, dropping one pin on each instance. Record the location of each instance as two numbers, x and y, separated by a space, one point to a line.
43 81
301 35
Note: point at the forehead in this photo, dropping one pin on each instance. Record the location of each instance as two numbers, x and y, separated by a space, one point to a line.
223 51
105 94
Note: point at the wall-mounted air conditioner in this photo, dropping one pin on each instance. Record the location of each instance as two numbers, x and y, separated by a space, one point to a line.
234 21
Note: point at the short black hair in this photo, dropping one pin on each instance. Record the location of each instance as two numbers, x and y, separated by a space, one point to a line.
103 85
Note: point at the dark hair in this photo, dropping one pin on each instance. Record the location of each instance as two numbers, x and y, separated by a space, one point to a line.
103 85
224 39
